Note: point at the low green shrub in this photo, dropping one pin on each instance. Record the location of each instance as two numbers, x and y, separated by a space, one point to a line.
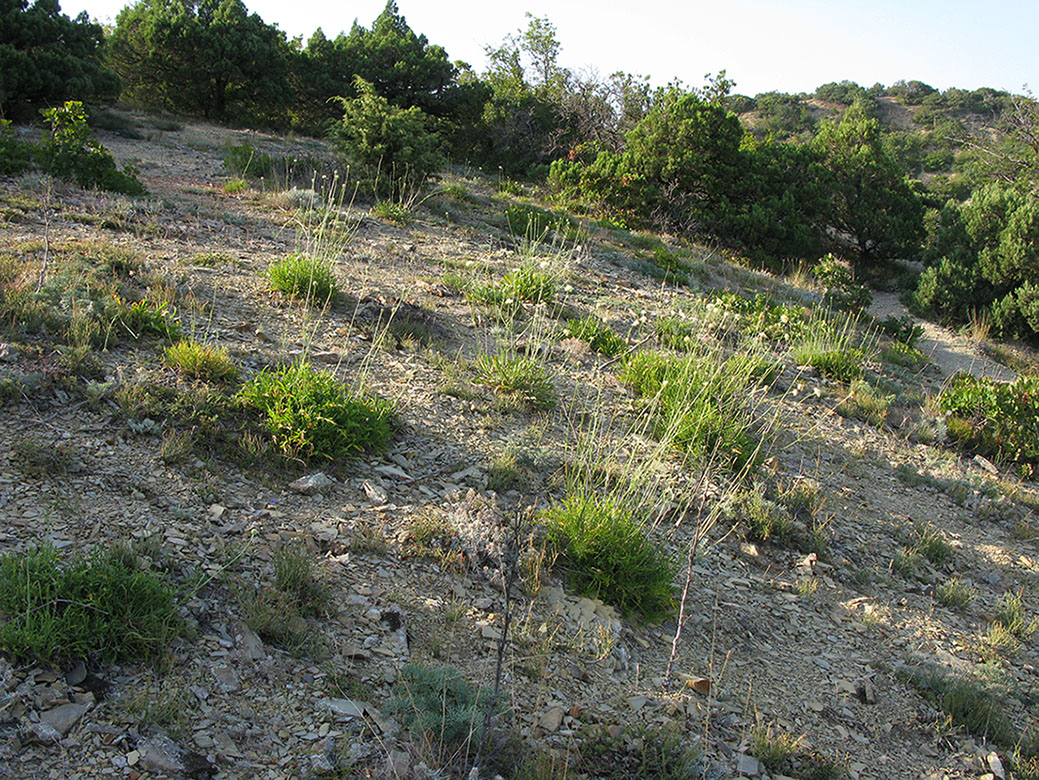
535 223
101 606
758 316
144 318
967 702
954 593
677 333
608 555
305 278
72 153
516 379
311 415
596 334
526 284
995 419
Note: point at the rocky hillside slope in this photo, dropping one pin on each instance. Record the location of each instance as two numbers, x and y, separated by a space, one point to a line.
840 587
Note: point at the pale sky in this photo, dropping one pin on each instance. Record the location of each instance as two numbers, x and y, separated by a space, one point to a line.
784 45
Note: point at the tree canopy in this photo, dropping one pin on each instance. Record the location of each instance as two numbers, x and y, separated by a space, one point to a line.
206 57
45 58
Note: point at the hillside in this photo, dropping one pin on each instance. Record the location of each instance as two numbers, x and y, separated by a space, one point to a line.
856 564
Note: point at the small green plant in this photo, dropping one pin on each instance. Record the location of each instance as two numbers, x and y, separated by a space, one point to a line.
838 365
305 278
676 333
955 593
162 705
294 576
38 459
1010 613
903 355
276 618
516 379
830 344
312 415
530 283
931 543
535 224
236 186
200 361
436 704
396 212
762 520
699 402
101 606
596 334
608 554
143 318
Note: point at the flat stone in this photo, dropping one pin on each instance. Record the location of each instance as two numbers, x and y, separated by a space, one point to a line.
747 766
248 645
226 676
344 708
312 483
65 716
552 719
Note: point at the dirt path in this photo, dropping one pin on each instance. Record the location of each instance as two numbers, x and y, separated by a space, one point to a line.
950 351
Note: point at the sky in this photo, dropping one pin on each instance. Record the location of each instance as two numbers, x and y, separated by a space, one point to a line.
763 45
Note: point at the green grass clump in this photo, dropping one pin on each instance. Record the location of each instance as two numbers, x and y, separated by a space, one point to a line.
966 702
437 705
840 365
865 403
101 606
997 419
1011 614
526 284
762 520
516 379
313 416
676 333
648 753
304 278
294 575
200 361
391 211
782 753
759 316
955 593
535 224
608 555
698 402
596 334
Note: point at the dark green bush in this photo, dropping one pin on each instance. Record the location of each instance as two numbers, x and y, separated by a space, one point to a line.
394 149
535 224
15 155
608 555
947 291
648 753
98 607
312 415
